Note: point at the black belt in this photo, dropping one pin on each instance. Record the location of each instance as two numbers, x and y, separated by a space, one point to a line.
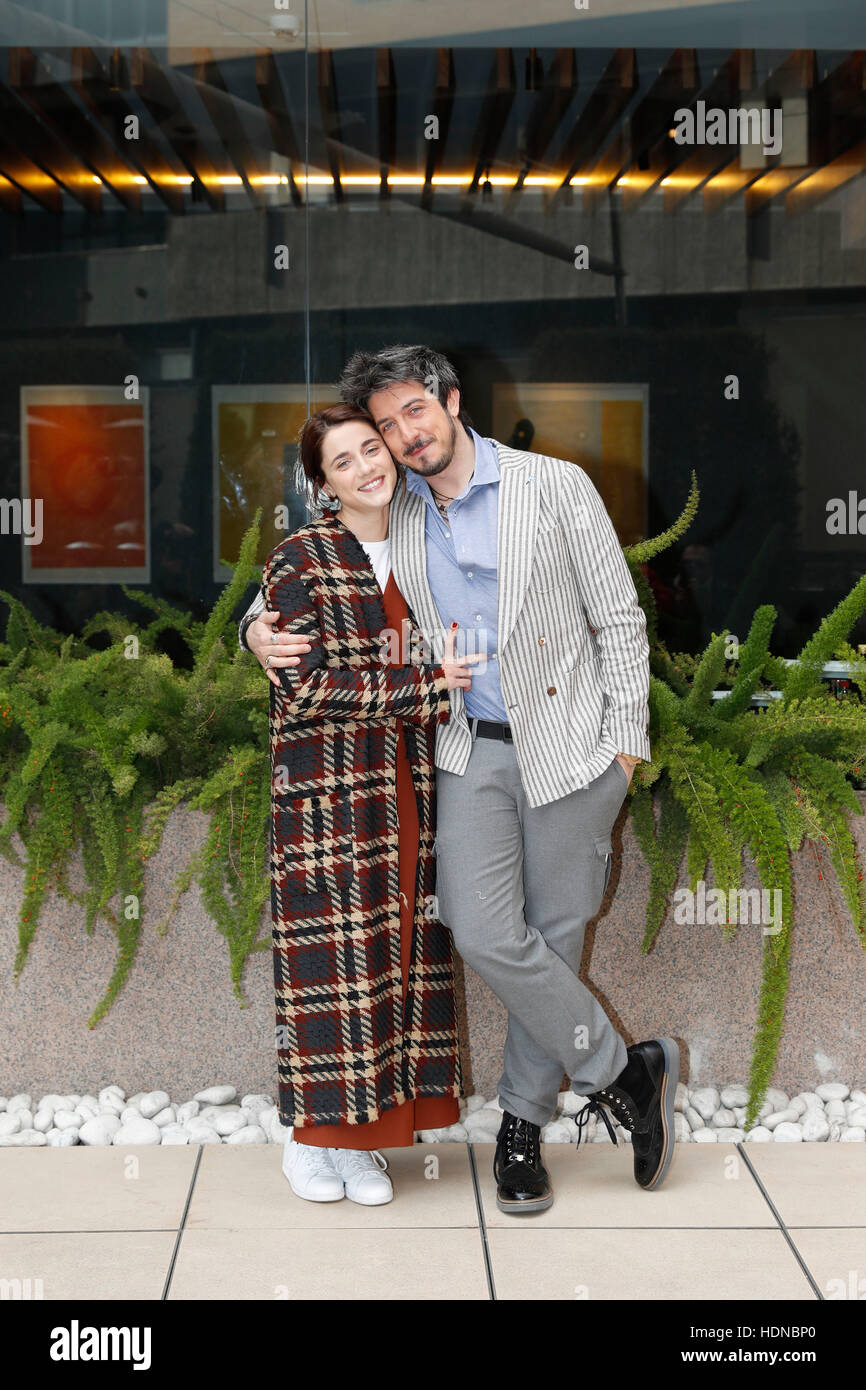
485 728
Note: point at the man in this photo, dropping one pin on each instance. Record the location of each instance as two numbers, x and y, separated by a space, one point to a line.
517 549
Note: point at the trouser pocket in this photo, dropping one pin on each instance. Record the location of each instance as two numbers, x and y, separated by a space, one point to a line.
604 849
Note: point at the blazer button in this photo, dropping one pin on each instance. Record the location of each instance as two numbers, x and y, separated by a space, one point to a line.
551 690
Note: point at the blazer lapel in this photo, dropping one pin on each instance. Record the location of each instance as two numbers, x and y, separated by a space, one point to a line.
407 529
518 523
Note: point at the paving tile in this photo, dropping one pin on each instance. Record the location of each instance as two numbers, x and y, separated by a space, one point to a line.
89 1264
836 1258
142 1187
814 1184
244 1188
530 1262
377 1263
706 1185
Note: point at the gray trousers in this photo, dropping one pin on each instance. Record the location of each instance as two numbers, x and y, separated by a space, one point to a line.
516 886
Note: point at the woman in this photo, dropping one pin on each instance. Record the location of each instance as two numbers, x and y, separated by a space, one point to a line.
367 1029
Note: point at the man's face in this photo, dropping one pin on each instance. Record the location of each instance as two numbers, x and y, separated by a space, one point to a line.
419 431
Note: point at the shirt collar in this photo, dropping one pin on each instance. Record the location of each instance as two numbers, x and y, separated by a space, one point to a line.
486 468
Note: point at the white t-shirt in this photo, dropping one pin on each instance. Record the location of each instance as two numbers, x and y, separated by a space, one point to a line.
379 553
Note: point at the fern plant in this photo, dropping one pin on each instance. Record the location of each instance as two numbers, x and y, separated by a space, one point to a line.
725 778
98 747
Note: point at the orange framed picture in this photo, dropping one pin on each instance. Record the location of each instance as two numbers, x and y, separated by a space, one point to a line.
84 461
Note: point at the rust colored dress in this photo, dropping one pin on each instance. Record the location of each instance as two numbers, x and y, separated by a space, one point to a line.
395 1127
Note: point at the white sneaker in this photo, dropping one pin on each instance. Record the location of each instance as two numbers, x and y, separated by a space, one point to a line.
311 1173
364 1175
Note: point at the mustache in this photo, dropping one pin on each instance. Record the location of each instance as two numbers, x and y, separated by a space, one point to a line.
416 445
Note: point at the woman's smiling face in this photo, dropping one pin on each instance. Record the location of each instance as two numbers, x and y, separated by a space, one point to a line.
357 467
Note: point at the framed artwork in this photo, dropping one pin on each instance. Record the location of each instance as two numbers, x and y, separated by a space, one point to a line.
603 427
85 460
255 433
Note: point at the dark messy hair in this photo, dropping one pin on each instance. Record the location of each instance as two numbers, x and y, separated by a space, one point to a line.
367 372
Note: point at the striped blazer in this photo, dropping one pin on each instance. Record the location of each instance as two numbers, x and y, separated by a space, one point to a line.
575 696
571 643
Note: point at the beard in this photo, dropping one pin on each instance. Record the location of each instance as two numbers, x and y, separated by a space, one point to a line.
429 470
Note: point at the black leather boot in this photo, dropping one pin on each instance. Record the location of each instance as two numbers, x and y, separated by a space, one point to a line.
642 1099
523 1184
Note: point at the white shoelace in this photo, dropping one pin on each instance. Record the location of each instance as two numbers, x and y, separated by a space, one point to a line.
315 1157
350 1161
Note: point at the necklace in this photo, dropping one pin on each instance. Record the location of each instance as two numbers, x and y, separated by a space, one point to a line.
442 499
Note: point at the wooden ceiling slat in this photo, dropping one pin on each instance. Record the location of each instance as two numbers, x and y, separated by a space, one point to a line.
330 111
495 110
386 110
828 179
441 106
108 106
25 133
551 103
228 126
276 112
604 107
49 102
676 86
156 91
31 180
691 165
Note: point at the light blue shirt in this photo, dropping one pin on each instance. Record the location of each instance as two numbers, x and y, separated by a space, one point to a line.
462 572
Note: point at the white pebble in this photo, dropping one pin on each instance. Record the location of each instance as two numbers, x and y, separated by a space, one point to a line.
250 1134
43 1120
730 1134
152 1103
100 1131
724 1119
705 1136
4 1101
67 1119
682 1129
474 1103
187 1111
856 1116
174 1134
695 1120
734 1095
835 1110
858 1097
569 1102
681 1099
201 1133
788 1116
20 1102
24 1139
812 1099
255 1102
854 1134
62 1138
140 1131
10 1123
216 1095
759 1135
129 1114
706 1101
112 1093
832 1090
228 1124
815 1126
165 1116
788 1133
556 1133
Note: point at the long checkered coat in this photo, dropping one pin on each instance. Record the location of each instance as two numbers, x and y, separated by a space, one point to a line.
345 1051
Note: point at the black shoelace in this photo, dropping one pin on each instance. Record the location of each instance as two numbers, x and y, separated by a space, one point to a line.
521 1144
595 1105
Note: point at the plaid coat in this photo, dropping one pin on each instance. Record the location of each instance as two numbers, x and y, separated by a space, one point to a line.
345 1050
